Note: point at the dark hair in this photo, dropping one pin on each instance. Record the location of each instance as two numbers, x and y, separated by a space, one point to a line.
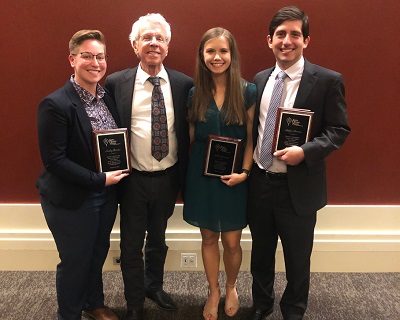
290 13
83 35
235 112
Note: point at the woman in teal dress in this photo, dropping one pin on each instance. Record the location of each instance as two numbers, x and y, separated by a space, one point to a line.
221 104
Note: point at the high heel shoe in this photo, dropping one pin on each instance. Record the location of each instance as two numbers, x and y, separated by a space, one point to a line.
210 311
231 303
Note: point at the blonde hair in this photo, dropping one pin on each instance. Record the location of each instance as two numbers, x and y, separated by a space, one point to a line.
82 35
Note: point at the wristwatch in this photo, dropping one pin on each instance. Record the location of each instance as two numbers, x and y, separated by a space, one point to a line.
247 172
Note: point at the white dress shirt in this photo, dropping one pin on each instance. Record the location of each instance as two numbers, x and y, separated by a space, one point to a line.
290 89
141 158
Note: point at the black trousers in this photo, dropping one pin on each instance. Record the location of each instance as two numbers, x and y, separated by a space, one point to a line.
147 202
82 237
271 215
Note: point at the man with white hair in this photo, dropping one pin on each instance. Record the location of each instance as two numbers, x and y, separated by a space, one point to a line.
151 102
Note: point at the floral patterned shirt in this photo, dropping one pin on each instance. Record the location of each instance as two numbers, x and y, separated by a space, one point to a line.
99 115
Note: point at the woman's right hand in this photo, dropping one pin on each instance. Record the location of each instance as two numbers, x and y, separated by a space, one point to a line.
113 177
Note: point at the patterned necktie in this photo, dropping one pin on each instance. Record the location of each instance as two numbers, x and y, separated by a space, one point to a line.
159 127
266 145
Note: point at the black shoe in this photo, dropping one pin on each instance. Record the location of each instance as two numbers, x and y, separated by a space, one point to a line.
259 314
162 299
292 316
134 315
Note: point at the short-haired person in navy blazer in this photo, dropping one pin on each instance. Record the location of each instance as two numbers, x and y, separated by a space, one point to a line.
149 194
79 203
284 196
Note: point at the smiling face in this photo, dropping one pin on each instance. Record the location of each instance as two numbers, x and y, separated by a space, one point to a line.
288 43
217 55
151 47
88 72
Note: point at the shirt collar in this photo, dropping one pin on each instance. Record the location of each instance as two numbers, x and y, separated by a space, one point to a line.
84 94
293 71
142 75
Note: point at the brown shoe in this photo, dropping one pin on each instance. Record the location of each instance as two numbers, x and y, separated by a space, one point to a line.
103 313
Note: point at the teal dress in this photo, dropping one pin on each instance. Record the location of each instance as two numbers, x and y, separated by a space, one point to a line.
209 203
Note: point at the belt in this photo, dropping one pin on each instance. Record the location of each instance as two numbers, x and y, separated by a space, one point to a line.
273 175
156 173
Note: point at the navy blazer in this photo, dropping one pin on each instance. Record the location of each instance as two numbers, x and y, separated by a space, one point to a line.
121 84
321 90
66 148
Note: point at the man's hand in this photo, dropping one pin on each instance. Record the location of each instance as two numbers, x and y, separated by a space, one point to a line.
114 177
291 155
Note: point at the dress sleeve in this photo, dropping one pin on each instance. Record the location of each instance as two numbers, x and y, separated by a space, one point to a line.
190 98
250 94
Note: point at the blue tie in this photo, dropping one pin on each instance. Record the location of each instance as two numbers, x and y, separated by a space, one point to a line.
269 129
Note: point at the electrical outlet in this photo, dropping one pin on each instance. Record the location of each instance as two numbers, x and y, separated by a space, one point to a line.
188 260
116 260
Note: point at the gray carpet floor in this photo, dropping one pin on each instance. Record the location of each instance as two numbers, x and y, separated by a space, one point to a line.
333 296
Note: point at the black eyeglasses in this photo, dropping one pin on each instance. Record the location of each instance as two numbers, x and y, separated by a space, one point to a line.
88 56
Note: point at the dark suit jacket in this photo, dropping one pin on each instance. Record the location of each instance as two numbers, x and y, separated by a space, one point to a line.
66 148
322 91
120 85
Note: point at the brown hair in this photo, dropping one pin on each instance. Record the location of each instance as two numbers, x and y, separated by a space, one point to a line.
235 112
83 35
290 13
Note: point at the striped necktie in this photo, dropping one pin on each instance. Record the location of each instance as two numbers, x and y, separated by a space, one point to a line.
269 129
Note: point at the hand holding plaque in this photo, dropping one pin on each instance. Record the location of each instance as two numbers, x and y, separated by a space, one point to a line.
111 150
293 127
221 156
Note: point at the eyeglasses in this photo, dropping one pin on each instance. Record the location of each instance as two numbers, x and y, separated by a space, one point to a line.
148 37
88 56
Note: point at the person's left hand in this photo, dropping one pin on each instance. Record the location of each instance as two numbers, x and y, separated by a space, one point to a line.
113 177
233 179
291 155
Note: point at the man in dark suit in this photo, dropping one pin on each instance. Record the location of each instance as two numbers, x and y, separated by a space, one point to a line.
158 170
286 191
79 203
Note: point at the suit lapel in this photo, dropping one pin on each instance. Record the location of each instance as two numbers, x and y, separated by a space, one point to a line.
83 117
127 86
176 96
261 83
111 107
307 82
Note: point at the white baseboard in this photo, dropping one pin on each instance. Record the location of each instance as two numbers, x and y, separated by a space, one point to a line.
347 239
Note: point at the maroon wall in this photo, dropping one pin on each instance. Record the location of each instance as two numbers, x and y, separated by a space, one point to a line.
358 38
